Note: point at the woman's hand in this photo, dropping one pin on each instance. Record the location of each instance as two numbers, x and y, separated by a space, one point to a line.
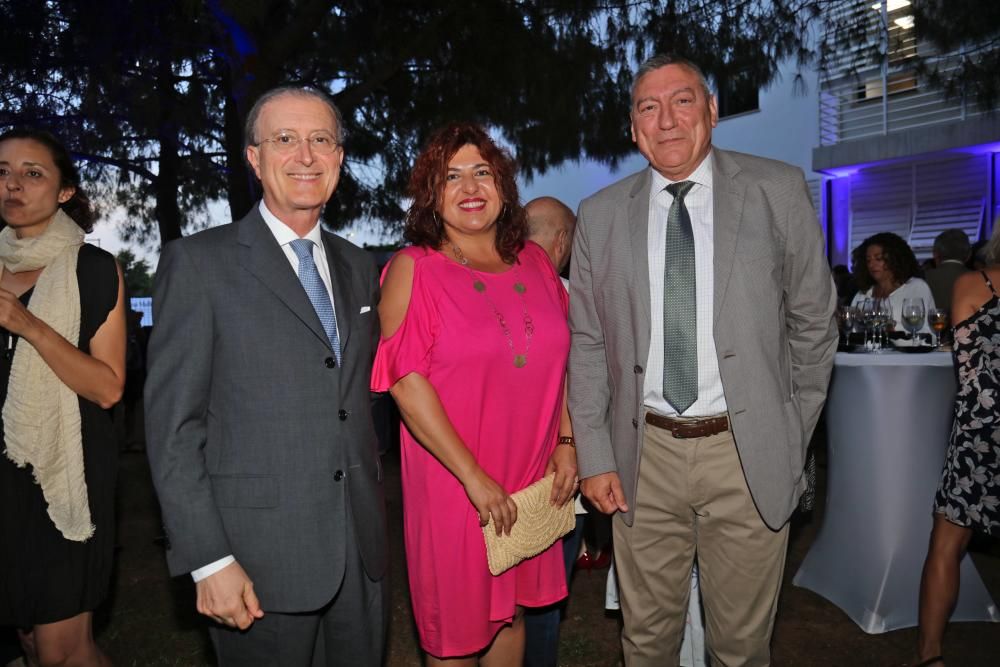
14 317
563 463
489 498
99 376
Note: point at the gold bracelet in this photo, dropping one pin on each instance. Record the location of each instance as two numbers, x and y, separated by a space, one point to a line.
567 440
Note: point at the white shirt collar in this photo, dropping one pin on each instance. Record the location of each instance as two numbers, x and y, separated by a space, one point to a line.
702 175
283 234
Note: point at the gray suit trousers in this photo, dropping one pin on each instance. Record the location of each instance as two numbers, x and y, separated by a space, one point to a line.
327 637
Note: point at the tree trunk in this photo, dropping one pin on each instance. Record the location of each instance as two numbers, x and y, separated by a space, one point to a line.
242 183
168 214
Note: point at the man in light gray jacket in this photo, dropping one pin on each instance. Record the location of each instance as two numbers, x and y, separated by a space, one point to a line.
701 311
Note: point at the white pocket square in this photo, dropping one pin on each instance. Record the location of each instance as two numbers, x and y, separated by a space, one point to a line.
364 309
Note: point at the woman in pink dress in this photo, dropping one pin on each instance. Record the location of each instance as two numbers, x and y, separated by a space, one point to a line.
474 346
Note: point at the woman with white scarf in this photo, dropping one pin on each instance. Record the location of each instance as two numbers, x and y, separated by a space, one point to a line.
62 366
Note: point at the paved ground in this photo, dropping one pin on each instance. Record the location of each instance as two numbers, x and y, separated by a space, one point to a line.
150 618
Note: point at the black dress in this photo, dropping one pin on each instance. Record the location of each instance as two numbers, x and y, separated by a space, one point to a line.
43 576
969 492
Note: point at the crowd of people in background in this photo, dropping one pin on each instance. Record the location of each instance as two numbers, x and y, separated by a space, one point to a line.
673 382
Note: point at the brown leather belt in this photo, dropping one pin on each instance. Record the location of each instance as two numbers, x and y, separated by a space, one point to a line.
689 428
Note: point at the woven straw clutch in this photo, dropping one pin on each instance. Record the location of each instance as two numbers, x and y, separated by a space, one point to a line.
538 525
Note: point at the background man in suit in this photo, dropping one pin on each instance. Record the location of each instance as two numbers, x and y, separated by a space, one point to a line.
951 252
259 427
701 311
550 225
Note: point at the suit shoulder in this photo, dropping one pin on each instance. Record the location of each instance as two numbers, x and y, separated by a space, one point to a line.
618 190
348 250
763 168
207 237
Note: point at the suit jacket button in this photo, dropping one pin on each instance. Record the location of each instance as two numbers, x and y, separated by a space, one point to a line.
635 423
330 362
637 369
339 475
342 414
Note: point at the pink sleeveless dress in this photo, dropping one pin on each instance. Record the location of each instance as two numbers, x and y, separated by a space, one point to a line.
508 417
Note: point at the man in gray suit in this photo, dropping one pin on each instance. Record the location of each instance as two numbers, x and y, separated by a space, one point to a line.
951 252
259 428
701 311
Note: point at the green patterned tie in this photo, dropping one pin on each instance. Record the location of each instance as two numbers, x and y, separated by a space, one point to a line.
680 319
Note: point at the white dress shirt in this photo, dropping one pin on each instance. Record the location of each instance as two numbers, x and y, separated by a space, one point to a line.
711 399
284 236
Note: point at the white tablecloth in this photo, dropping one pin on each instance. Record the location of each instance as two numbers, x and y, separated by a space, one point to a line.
888 421
894 358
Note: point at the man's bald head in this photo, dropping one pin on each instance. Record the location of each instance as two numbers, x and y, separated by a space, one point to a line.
550 225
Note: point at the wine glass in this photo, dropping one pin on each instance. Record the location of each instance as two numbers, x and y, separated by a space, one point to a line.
937 318
883 313
868 317
848 317
912 316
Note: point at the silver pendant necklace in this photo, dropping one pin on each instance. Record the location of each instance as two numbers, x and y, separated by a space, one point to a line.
520 360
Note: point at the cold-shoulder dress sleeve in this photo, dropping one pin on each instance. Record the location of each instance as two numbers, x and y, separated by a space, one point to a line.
409 348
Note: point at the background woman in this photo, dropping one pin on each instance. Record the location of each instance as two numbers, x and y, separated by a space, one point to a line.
885 267
474 351
62 330
968 497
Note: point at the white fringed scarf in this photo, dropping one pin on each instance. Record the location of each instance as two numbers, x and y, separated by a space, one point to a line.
41 417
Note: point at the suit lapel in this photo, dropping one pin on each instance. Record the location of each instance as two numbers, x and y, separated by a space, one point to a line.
262 256
340 275
727 202
638 225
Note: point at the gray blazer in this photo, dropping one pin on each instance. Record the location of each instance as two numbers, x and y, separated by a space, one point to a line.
773 325
259 444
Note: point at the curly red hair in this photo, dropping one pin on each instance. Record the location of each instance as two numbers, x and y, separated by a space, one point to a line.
424 227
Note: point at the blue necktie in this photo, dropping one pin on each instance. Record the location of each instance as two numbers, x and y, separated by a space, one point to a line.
316 290
680 317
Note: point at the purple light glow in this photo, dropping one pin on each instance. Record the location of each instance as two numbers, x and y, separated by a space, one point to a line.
839 222
977 149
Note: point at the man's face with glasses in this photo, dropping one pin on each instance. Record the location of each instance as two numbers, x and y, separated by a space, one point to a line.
288 141
297 157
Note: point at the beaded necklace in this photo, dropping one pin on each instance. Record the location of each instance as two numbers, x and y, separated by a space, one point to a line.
529 326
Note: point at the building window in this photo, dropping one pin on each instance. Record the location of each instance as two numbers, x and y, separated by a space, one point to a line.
901 48
738 93
900 82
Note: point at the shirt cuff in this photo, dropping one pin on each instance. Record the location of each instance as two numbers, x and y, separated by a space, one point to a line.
211 568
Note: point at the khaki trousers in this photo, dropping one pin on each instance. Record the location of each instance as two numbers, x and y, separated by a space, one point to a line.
693 501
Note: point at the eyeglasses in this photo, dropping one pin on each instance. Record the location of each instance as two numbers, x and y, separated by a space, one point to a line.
288 142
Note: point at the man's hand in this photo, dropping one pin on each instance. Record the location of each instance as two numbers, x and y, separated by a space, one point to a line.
227 597
605 492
